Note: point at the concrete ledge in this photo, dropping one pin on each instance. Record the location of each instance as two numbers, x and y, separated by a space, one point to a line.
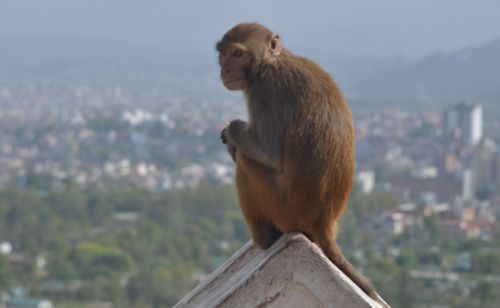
292 273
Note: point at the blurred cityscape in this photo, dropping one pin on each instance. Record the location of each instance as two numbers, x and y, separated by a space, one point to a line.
106 138
428 174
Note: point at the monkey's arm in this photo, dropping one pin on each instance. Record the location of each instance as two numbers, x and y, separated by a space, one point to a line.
238 134
231 149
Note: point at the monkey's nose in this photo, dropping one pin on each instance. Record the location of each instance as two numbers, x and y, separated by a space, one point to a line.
224 72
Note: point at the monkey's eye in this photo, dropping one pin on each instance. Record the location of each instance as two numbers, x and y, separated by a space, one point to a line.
223 53
237 54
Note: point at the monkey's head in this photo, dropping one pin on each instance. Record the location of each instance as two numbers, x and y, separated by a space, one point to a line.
243 51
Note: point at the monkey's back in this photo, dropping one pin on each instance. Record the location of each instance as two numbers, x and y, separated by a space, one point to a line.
319 144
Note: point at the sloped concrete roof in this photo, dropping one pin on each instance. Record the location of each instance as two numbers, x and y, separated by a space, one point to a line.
292 273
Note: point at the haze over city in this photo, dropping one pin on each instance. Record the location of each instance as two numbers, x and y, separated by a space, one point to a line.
342 35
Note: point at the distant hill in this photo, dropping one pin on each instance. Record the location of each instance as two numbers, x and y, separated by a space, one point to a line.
472 73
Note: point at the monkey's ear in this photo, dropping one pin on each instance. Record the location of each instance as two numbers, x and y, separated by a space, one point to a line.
275 45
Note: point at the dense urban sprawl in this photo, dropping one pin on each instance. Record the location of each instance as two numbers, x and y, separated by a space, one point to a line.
119 193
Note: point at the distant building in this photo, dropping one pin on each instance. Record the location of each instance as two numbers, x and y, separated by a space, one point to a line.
459 228
126 218
390 224
468 185
451 163
485 161
27 303
5 248
425 172
366 181
466 120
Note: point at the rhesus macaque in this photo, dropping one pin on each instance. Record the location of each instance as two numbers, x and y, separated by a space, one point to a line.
295 156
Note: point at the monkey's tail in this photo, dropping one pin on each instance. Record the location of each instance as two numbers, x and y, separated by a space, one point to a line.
333 252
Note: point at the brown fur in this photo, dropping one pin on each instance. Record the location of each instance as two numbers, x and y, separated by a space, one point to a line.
295 156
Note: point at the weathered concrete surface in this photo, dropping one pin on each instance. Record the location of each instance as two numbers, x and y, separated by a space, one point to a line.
292 273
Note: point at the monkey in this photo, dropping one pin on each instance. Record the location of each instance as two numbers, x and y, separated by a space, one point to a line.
295 156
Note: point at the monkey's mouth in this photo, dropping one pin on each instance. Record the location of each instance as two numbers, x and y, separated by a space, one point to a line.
226 81
234 84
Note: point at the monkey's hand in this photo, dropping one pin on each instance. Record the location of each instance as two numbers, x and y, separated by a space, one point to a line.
224 134
236 129
238 134
231 148
232 131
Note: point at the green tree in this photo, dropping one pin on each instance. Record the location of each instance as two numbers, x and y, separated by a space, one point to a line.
92 260
5 275
486 262
69 203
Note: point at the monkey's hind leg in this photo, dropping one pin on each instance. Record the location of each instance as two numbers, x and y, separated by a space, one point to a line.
255 194
264 233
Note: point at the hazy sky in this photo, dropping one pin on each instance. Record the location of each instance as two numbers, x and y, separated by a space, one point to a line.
366 28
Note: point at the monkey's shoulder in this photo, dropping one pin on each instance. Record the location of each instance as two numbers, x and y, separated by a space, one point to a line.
308 75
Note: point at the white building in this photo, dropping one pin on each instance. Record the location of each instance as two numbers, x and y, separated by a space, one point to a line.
467 120
5 248
366 181
468 185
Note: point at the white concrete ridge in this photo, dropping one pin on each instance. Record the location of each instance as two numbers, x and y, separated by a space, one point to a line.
294 272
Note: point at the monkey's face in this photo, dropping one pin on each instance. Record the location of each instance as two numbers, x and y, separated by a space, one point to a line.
243 51
234 60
